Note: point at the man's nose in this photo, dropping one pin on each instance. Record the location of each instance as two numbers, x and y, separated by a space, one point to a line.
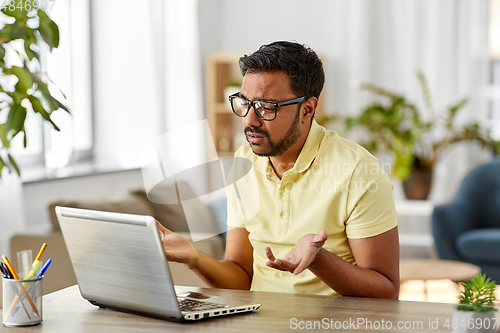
251 119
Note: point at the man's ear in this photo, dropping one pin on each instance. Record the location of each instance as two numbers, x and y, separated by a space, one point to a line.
308 109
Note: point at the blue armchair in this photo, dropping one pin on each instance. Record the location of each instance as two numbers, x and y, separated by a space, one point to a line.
468 227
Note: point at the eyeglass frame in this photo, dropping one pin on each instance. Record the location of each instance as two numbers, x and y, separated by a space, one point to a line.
251 104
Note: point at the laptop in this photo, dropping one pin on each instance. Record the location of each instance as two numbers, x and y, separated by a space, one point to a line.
120 264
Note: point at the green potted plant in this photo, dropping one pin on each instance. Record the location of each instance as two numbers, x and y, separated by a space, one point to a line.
397 126
24 86
475 311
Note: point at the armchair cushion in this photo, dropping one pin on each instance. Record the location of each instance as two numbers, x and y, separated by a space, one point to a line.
480 245
468 228
448 222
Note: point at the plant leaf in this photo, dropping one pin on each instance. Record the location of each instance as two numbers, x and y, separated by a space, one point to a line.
48 29
5 33
25 137
54 104
15 121
426 92
25 82
453 112
14 164
16 13
38 108
5 142
2 164
478 294
27 46
2 54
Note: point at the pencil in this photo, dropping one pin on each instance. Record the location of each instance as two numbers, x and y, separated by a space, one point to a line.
39 255
21 287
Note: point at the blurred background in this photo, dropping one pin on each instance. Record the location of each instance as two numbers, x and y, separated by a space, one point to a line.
133 70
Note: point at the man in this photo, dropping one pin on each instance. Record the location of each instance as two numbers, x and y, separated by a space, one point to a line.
326 222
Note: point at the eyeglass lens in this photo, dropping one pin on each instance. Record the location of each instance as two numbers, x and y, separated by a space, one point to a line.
264 110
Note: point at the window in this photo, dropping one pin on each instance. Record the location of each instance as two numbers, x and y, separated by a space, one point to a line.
69 69
495 68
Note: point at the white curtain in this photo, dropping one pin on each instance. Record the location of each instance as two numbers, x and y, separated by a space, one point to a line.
179 77
387 41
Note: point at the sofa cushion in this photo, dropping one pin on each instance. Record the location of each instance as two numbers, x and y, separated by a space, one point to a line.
170 216
173 216
128 204
480 245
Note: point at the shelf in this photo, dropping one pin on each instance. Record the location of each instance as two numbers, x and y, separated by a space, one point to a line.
415 207
222 108
416 240
222 69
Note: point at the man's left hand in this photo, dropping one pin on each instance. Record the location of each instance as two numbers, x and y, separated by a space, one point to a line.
300 256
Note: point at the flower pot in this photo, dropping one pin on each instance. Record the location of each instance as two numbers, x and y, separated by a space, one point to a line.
474 322
417 186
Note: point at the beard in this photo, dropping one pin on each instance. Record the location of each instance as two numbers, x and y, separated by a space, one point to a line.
277 148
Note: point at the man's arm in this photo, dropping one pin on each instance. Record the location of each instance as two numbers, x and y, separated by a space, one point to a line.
234 272
375 275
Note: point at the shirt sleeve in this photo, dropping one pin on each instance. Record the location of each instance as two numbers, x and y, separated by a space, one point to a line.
370 203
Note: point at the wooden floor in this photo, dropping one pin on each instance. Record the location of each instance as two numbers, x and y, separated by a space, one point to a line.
440 291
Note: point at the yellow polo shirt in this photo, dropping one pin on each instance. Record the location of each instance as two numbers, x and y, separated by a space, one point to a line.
335 185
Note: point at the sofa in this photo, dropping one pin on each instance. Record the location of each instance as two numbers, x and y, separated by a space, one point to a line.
468 227
61 274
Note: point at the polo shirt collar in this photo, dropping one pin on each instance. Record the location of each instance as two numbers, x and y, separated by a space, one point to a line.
306 156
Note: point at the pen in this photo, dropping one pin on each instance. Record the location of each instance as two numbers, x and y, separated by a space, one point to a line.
7 272
36 262
39 275
44 268
39 255
32 272
7 275
21 287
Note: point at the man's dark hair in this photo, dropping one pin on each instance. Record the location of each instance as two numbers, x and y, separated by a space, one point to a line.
300 62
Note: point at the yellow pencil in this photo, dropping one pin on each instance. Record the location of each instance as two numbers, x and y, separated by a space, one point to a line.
44 245
21 287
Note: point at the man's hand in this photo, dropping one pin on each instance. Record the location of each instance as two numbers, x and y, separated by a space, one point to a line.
300 256
176 247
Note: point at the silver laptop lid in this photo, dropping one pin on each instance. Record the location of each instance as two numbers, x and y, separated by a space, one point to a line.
119 261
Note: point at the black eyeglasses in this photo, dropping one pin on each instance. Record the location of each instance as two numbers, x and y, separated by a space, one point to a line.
265 110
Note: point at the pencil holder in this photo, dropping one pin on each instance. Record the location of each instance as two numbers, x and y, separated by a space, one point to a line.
22 302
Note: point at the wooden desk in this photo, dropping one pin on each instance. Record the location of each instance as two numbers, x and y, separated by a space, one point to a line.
66 311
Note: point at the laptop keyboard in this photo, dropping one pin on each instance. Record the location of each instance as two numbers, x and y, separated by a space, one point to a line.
190 305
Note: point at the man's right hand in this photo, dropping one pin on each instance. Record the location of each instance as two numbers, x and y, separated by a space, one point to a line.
176 247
